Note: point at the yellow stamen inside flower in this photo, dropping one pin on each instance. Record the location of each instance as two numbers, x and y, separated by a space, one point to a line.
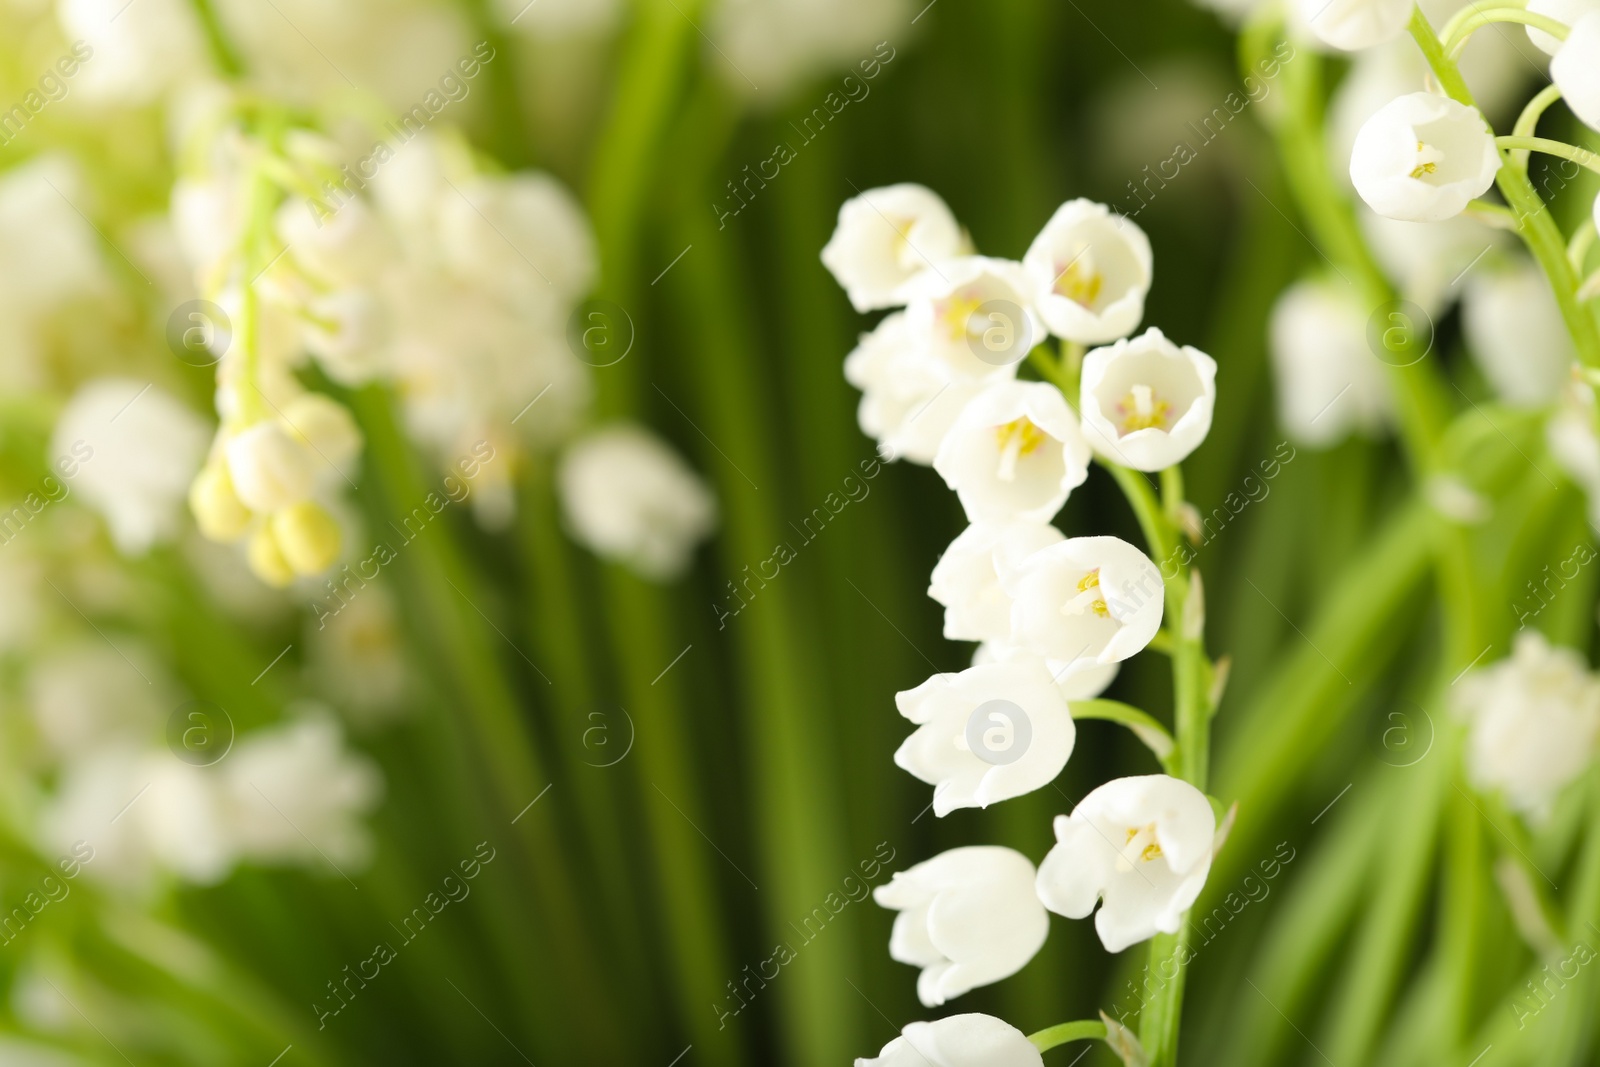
1428 160
956 315
1090 580
1141 842
1079 282
1017 438
1141 410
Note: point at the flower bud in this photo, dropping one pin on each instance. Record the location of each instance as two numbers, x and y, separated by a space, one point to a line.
325 426
307 537
216 507
1576 69
270 470
266 559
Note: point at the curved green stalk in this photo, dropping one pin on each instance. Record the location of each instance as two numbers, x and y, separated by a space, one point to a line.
1459 30
1144 726
1581 156
1062 1033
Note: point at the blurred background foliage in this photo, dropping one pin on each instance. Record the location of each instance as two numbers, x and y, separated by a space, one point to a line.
624 912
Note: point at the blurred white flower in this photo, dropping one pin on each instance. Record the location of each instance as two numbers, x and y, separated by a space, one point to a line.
1090 271
348 332
359 657
1426 260
326 427
966 580
297 794
85 695
1015 453
1570 435
968 917
1423 157
1575 69
974 315
1145 402
886 240
1094 599
1515 333
1356 24
135 53
343 247
958 1041
774 46
1142 847
271 468
908 401
627 496
1534 719
1329 384
1566 12
520 237
145 448
1014 714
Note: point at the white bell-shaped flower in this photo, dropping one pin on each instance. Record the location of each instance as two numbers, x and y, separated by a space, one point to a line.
1090 271
966 580
270 466
1571 439
1575 69
523 236
628 496
1014 454
968 917
1083 680
134 448
975 316
1516 335
1566 12
1356 24
1534 720
1145 402
339 245
986 734
887 239
958 1041
1329 384
1094 599
1423 158
1140 846
908 401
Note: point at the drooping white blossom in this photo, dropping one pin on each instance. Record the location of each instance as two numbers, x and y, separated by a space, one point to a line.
1146 403
986 734
1575 68
967 917
1141 847
1014 454
1427 260
519 236
1515 333
628 496
1423 157
958 1041
138 448
1083 680
1533 722
975 316
1566 12
1090 271
1085 600
1328 382
1570 435
966 580
886 240
271 467
908 401
1352 25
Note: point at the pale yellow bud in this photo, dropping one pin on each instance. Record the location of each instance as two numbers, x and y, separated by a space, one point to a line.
217 509
307 536
266 559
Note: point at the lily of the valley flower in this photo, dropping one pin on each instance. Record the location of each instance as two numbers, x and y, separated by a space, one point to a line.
1329 384
1088 600
975 315
1023 740
966 580
270 468
1515 333
1146 403
1083 680
886 240
1566 12
1423 158
1014 454
1142 847
1534 722
1356 24
968 917
628 496
908 401
1575 69
1090 271
958 1041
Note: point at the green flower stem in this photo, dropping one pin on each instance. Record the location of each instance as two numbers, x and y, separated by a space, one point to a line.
1528 122
1537 228
1471 19
1143 725
1581 156
1063 1033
